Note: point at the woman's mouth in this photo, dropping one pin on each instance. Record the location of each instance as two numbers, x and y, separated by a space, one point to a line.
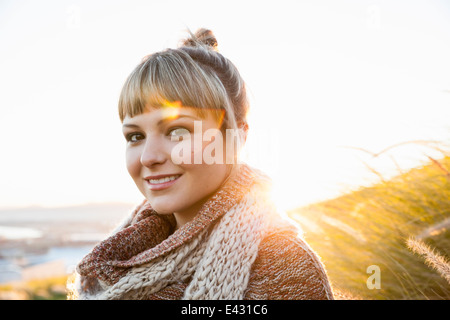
162 181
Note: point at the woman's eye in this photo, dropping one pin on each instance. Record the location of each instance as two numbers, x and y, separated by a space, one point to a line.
179 133
134 137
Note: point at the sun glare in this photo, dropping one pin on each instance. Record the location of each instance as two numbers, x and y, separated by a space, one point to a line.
171 109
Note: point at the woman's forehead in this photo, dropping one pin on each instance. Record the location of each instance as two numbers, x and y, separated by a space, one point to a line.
171 112
175 110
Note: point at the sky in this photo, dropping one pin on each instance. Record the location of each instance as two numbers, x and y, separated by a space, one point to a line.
329 82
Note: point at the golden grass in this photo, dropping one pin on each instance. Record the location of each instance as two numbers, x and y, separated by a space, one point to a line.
370 226
39 289
432 258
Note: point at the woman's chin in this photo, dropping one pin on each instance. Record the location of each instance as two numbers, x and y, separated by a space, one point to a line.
162 207
162 210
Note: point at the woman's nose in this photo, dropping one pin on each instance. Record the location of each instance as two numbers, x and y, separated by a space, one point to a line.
153 152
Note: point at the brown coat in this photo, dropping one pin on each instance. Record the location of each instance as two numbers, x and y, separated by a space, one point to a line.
285 269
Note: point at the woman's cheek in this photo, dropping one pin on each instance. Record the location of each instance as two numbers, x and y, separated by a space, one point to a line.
133 162
187 152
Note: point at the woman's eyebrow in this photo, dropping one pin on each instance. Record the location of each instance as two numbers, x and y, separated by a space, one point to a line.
130 125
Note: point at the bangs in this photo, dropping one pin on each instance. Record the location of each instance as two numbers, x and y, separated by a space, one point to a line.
172 79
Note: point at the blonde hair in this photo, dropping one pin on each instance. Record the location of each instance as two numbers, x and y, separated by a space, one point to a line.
193 75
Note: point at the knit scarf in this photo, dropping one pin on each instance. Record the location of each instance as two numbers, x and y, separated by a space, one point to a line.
214 251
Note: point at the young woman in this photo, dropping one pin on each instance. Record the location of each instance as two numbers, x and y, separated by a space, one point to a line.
207 228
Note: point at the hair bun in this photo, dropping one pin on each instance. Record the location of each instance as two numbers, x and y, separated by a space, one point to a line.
202 37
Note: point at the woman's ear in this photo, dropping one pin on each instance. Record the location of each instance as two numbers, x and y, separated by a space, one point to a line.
244 127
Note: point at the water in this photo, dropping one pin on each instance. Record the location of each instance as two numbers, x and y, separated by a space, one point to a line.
12 266
70 255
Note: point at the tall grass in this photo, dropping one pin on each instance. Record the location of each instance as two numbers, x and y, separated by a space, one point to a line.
370 226
431 257
39 289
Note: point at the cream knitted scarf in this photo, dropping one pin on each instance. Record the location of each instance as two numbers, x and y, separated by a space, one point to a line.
215 251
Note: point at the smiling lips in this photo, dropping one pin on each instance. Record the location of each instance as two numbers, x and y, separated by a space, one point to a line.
161 182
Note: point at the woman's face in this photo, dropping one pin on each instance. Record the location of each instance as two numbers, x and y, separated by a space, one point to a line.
153 138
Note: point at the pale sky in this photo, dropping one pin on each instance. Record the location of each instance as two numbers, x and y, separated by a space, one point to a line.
322 75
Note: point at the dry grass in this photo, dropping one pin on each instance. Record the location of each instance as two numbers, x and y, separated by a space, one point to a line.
42 289
432 258
370 226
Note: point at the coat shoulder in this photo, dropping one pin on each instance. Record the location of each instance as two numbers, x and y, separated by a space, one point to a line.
286 268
